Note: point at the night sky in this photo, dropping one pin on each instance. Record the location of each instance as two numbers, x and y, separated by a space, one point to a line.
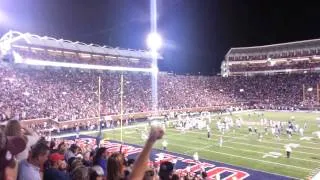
197 33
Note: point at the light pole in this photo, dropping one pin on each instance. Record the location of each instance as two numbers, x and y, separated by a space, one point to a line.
154 43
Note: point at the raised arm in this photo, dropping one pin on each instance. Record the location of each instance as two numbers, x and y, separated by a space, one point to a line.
141 164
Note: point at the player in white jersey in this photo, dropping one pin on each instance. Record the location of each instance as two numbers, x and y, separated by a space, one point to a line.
296 128
164 145
209 132
219 125
227 126
231 123
220 141
182 130
273 131
144 136
318 134
261 122
260 137
237 122
289 132
288 150
77 132
266 130
196 157
301 130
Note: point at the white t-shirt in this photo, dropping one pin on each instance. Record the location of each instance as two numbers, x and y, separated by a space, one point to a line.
164 143
288 149
32 139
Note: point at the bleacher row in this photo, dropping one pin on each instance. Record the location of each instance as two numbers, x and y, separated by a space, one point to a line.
301 56
69 94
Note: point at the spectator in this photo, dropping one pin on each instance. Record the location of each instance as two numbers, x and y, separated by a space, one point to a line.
57 168
10 146
100 159
80 173
166 170
62 148
29 169
72 152
52 147
149 175
74 164
87 159
13 128
96 173
116 167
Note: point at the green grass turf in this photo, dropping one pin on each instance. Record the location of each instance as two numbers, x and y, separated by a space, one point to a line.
240 148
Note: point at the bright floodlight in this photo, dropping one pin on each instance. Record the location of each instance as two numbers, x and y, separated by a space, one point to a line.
154 41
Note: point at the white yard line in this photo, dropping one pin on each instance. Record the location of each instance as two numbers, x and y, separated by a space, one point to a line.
269 142
290 140
203 148
245 150
96 131
316 177
300 159
266 147
253 169
262 146
252 159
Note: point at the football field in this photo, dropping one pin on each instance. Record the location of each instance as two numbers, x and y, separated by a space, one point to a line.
242 149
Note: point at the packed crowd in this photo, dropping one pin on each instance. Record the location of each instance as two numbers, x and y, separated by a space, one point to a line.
280 57
26 156
263 53
267 66
69 94
66 94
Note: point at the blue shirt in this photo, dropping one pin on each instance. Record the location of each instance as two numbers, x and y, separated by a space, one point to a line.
28 171
55 174
103 164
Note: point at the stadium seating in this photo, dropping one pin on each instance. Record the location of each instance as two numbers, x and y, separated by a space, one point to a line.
278 58
80 58
66 94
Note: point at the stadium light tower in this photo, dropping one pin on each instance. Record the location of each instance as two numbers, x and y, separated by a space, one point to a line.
154 43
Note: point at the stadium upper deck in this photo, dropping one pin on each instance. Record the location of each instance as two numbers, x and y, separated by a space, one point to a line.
297 57
29 45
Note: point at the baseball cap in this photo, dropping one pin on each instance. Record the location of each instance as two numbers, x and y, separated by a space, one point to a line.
9 147
55 157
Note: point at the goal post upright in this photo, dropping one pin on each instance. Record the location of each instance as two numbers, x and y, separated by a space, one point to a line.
121 106
303 93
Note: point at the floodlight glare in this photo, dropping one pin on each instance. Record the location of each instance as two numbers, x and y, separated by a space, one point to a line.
154 41
38 62
155 69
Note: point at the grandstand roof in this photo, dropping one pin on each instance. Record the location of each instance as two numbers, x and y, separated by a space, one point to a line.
276 47
45 41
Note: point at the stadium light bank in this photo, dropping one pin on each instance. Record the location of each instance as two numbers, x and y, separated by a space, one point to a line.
37 62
